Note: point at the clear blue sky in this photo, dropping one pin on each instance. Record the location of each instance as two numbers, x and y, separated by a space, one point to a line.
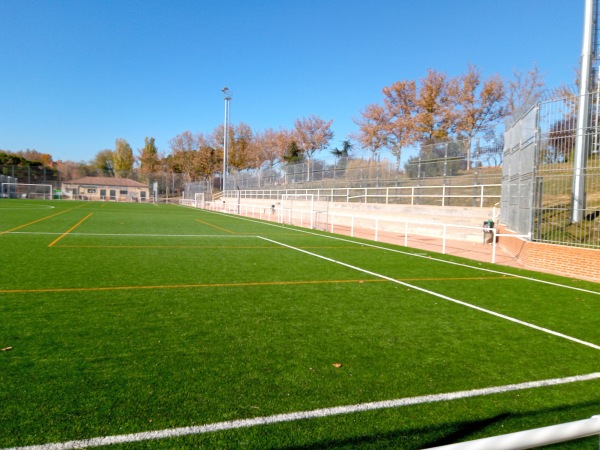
77 74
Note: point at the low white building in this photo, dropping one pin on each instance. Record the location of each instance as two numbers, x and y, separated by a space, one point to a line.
106 189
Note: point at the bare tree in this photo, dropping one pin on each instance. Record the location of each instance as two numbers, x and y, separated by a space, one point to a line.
523 92
312 134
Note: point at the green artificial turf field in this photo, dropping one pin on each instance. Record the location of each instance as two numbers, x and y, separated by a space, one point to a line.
119 320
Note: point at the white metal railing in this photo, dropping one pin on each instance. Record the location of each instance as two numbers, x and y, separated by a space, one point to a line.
388 195
377 228
533 438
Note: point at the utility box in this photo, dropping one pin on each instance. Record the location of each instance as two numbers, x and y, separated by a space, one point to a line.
488 231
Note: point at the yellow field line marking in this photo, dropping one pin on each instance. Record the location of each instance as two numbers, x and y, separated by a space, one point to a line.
184 286
226 247
172 246
209 285
214 226
35 221
69 230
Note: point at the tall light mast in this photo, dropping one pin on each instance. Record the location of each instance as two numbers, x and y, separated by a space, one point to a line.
227 97
590 63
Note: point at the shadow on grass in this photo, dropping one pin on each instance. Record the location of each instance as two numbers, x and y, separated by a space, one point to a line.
445 434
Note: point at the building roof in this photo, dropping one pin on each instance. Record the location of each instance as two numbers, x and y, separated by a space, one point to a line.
108 181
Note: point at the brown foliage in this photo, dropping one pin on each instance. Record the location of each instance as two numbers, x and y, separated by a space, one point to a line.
312 134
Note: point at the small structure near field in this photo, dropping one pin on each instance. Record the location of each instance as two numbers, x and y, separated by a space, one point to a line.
106 189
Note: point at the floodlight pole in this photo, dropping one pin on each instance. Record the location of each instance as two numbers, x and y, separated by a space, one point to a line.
583 116
227 97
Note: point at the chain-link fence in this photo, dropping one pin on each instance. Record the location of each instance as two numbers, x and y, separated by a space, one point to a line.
447 163
31 175
538 189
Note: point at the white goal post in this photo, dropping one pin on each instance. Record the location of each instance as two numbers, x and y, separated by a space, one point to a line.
25 190
295 206
199 199
197 202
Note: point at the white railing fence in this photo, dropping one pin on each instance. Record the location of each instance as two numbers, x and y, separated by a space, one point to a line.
435 236
479 195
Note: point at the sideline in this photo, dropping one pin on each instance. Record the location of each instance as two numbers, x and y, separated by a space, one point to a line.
303 415
417 255
442 296
29 207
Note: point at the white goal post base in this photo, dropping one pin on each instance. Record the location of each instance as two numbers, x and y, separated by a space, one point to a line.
25 190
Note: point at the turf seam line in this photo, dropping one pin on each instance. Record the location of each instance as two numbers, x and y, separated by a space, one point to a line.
304 415
442 296
326 236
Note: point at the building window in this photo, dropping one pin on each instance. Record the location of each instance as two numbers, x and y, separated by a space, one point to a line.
123 192
91 191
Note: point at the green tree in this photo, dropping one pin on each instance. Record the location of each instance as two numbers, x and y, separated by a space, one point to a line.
103 161
293 154
123 158
148 158
344 152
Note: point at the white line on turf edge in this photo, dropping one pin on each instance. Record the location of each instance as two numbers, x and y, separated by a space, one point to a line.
436 294
454 263
303 415
125 235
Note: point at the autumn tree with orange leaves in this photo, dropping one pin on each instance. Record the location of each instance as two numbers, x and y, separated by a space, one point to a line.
393 124
435 109
312 134
478 105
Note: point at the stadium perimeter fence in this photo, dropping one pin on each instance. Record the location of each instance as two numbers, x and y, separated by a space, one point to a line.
482 195
539 171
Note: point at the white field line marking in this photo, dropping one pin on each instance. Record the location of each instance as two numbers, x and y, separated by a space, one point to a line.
328 236
135 235
304 415
436 294
27 207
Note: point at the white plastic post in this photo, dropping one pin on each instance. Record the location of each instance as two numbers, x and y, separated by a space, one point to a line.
444 226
